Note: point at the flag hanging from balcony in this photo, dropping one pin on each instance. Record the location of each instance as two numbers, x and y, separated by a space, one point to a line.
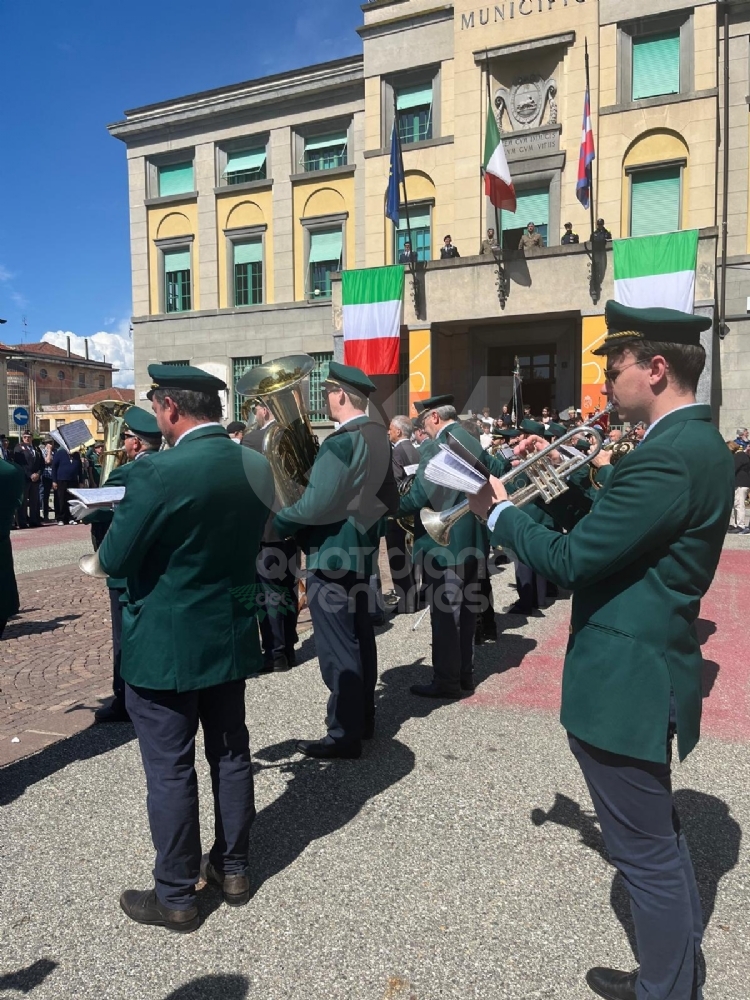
657 270
372 303
395 178
587 155
498 184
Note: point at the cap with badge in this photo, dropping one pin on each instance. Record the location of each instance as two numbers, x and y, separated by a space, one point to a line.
508 433
349 377
554 430
141 422
183 377
665 326
532 427
432 402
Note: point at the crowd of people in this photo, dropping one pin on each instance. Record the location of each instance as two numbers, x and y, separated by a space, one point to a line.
740 448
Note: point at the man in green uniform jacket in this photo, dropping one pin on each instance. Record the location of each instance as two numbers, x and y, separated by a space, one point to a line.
12 485
450 572
337 522
186 538
638 566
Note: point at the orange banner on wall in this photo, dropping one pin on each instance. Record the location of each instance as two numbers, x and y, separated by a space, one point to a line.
420 367
592 366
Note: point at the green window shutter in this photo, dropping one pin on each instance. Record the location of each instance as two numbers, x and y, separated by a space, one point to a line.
413 97
531 206
176 260
325 245
326 141
418 217
248 253
655 201
176 179
247 159
656 65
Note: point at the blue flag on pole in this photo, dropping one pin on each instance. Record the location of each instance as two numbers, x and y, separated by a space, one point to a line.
395 178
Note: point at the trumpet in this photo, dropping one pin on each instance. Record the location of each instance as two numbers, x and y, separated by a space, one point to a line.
538 475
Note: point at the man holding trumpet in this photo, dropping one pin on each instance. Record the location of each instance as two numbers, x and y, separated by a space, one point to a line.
638 566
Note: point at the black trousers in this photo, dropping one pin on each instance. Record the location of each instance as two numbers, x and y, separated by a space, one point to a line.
340 608
454 598
166 723
28 512
62 497
402 568
277 572
46 490
115 610
642 834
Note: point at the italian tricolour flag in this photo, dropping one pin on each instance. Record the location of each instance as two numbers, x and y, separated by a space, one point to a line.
657 270
498 184
372 301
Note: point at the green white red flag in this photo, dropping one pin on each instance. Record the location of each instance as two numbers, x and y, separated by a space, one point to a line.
657 270
498 184
372 301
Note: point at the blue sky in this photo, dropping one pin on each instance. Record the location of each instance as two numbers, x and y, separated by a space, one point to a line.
67 70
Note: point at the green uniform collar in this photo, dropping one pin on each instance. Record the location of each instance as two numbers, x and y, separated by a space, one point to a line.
697 411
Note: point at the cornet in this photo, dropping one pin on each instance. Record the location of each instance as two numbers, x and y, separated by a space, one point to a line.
541 478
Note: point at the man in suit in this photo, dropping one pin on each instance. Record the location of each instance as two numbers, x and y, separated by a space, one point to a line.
638 566
12 488
31 463
450 573
140 437
337 523
277 571
187 544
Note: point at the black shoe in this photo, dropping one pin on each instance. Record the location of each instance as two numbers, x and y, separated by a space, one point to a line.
435 690
291 658
236 888
368 731
145 908
324 750
478 634
265 668
489 631
467 682
280 663
114 712
519 609
612 984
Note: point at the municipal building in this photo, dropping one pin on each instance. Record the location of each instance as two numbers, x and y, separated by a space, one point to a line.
246 202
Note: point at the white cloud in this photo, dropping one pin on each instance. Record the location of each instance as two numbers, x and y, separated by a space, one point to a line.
5 274
117 348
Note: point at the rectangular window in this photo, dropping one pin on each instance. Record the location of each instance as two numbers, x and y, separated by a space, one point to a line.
44 425
239 367
326 246
177 294
414 110
101 382
317 378
656 65
245 165
248 272
326 151
182 364
176 178
421 241
81 380
655 201
59 422
531 206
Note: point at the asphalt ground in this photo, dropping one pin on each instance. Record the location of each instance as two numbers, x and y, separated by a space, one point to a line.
459 858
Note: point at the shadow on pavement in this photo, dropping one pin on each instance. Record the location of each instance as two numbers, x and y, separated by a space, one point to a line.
17 777
15 630
216 987
25 980
712 833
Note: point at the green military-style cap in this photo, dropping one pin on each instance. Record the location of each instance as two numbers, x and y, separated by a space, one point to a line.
666 326
423 405
349 377
554 430
508 433
183 377
140 421
532 427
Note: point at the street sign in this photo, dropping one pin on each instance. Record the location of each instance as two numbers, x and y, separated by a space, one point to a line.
20 416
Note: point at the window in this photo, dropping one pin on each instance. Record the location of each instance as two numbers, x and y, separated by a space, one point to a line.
99 427
44 425
176 178
317 378
248 272
177 294
326 151
655 197
245 165
326 246
101 382
81 380
421 242
531 206
181 364
59 422
414 110
239 367
61 375
42 373
656 65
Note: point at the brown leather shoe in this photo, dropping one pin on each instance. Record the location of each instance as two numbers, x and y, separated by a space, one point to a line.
145 908
236 888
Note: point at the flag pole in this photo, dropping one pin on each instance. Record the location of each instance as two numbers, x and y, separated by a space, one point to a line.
413 254
591 165
498 254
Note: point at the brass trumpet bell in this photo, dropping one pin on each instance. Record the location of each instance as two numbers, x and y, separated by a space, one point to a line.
90 565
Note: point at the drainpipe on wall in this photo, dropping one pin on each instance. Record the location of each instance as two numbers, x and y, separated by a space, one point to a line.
725 199
86 345
68 339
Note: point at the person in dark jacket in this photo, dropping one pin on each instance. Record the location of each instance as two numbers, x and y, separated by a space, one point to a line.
66 474
405 462
29 458
448 250
737 520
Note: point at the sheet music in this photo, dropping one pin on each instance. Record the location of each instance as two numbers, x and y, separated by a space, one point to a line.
103 496
448 469
74 434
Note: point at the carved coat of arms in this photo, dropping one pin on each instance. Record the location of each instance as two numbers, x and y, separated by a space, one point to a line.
526 102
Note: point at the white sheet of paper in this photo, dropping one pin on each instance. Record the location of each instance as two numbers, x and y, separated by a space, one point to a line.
448 469
104 496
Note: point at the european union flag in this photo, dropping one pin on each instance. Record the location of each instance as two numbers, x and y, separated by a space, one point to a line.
395 178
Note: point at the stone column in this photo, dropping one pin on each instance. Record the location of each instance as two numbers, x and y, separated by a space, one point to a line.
208 265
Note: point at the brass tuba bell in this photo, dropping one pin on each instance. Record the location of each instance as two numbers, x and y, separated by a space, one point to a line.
110 413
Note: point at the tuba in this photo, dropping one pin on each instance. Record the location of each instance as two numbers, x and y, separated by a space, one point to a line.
110 413
290 445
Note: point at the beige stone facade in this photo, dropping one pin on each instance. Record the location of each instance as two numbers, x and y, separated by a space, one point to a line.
528 58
